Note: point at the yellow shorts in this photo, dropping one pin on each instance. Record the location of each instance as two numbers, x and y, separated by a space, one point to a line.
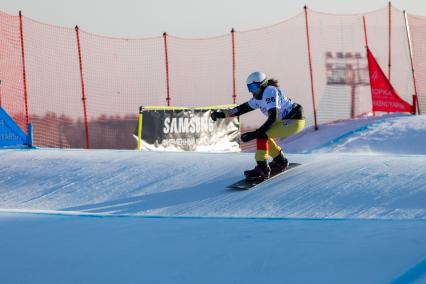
285 128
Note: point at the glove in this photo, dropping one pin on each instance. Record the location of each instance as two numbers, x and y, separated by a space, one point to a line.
248 136
217 114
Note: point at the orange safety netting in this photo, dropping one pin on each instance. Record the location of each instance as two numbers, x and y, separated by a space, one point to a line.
119 76
12 85
417 27
84 90
53 83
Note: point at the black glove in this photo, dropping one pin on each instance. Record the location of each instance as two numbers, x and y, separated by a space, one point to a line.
248 136
217 114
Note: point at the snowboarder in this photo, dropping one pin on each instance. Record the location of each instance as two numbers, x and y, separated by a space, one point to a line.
285 118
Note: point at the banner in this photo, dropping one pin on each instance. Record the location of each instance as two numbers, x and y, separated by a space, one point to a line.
10 133
383 94
178 129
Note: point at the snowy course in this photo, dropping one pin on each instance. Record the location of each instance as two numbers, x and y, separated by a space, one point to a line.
354 212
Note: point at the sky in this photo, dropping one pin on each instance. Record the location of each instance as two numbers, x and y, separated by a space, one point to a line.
184 18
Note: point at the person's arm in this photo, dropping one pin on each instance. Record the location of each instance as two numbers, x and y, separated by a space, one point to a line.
240 110
272 117
236 111
261 131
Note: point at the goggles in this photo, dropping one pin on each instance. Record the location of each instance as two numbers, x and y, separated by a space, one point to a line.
253 87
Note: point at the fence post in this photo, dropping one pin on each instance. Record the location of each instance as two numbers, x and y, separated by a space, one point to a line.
167 68
415 97
140 122
234 91
24 74
310 67
365 33
389 40
415 100
366 50
83 94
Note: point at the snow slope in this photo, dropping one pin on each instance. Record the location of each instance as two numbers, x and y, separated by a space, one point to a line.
329 184
391 134
354 212
194 184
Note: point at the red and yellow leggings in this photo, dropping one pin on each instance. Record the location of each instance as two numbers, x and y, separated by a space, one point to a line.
280 129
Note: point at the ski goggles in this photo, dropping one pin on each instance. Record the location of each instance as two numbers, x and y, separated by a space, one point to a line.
253 87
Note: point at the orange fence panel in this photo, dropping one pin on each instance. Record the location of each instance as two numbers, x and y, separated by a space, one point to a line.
120 75
200 71
417 26
84 90
53 84
12 86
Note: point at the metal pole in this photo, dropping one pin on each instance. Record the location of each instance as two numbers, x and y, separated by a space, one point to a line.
0 93
366 49
310 68
83 94
24 74
234 91
167 68
140 122
389 39
353 91
415 97
365 33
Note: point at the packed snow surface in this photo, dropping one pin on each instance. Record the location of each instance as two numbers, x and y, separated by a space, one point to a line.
353 212
195 184
354 177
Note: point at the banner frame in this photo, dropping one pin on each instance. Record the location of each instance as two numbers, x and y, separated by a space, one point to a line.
172 108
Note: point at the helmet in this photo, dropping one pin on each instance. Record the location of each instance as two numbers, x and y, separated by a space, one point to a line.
255 80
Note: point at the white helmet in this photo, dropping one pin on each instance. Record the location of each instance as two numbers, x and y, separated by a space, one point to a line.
255 80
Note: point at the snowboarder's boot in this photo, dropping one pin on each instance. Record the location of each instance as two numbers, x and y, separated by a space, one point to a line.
278 164
259 173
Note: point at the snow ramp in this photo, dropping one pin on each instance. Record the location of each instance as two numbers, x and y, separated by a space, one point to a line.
105 182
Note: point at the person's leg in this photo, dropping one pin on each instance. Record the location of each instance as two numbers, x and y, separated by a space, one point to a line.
284 129
279 161
281 130
274 149
262 170
266 145
262 149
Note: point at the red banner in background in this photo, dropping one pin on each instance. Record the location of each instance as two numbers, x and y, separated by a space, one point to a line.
383 94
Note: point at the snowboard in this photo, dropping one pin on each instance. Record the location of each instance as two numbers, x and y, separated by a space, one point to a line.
247 184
